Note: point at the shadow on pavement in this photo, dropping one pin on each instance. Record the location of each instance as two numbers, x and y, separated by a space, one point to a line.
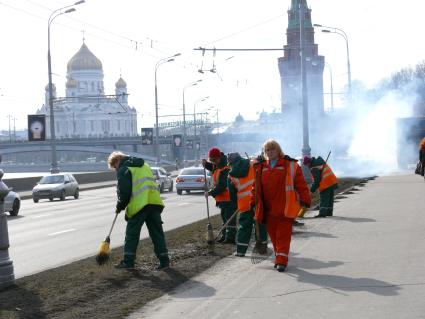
353 219
338 283
308 234
309 263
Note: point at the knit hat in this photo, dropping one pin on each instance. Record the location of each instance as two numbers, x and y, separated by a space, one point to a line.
306 160
214 153
233 157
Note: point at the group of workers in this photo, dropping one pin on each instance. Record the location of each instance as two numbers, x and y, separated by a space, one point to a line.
265 194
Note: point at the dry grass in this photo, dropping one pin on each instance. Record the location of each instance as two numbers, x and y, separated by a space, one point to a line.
85 290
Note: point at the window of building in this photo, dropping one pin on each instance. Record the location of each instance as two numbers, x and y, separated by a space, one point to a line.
119 125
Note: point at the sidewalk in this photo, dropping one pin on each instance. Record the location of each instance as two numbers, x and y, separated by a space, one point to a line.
366 262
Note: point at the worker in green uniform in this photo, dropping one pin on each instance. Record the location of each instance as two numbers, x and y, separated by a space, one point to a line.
324 180
138 194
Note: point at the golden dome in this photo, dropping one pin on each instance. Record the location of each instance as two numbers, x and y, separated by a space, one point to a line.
71 83
84 59
120 83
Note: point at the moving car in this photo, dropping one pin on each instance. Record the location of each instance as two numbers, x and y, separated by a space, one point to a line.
192 178
163 179
12 203
56 186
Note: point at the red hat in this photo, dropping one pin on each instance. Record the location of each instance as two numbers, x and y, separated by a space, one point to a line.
214 153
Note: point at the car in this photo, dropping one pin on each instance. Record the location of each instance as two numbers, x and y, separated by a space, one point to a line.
56 186
192 178
163 179
12 203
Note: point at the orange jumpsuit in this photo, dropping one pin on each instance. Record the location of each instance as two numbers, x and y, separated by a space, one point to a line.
274 206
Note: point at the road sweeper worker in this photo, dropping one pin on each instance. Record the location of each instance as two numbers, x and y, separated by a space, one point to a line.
324 180
217 164
241 179
279 193
138 195
422 157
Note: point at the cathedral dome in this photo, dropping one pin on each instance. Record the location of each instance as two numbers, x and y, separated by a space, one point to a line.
84 59
71 83
120 83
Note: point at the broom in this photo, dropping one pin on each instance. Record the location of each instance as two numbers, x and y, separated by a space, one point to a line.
210 233
102 255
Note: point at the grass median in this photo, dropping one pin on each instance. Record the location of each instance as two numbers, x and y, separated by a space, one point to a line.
85 290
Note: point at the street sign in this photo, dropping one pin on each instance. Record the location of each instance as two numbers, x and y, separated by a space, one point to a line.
147 135
37 127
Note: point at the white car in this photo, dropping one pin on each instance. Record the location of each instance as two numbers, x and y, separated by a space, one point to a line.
12 203
163 179
191 179
54 186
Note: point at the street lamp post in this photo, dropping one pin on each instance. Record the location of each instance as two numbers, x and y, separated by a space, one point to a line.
194 122
184 117
306 150
344 35
54 168
157 65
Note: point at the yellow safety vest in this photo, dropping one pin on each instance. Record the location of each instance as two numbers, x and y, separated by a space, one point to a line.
144 190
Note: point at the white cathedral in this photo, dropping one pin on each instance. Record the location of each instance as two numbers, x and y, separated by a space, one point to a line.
86 111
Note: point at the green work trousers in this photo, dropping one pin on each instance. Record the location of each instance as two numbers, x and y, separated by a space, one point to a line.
226 212
246 224
327 202
156 233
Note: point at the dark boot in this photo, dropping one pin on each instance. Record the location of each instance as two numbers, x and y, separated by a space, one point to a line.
123 265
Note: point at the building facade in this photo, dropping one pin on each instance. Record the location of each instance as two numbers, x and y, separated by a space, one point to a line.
86 111
290 66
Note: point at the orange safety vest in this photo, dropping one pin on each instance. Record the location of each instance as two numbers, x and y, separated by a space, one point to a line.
327 177
292 203
244 187
224 196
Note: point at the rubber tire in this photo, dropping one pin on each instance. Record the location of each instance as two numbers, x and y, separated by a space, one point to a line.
62 197
187 191
161 188
171 187
51 199
35 200
15 207
77 193
179 192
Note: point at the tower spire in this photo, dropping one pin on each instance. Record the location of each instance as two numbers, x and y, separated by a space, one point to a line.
294 15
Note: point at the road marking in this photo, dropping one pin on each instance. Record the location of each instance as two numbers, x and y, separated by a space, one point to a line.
183 204
62 232
41 216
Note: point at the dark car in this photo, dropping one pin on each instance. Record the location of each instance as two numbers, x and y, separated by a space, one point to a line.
56 186
192 178
163 179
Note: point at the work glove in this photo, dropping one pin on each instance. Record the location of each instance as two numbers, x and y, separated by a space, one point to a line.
304 204
204 162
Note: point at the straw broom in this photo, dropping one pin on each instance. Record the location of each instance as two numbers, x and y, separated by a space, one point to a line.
104 252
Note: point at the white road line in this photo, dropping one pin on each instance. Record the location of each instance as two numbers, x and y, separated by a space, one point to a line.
40 216
183 204
62 232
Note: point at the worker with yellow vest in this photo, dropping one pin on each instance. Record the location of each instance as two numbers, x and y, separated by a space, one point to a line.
240 182
324 180
138 194
279 193
217 164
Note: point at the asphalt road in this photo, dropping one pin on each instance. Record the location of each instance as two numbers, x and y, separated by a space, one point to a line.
49 234
365 262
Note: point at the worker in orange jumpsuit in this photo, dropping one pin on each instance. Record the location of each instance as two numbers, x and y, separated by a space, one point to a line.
279 193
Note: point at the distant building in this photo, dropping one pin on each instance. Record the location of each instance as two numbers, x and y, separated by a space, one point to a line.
290 66
86 111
